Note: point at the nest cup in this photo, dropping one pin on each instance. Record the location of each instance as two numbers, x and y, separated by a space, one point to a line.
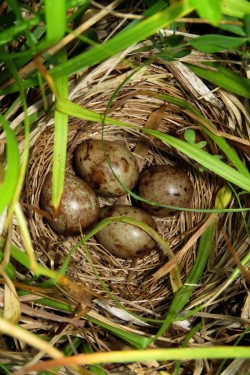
134 102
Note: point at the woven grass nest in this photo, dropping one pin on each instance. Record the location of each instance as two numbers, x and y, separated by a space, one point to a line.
133 281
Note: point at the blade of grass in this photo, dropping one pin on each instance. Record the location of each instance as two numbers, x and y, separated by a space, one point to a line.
8 186
60 140
55 18
218 139
205 159
9 268
25 154
95 369
137 341
142 355
185 343
182 297
224 78
241 336
234 275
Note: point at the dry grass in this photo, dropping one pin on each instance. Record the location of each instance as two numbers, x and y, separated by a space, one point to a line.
132 281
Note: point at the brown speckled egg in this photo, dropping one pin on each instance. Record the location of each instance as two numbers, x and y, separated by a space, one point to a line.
79 205
125 240
166 185
92 166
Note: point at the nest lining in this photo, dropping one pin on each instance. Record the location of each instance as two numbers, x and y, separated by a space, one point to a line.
131 281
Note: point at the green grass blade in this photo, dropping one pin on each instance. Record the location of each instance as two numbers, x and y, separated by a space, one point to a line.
182 297
60 141
8 186
55 18
123 356
185 343
224 78
137 341
9 269
220 141
124 39
205 159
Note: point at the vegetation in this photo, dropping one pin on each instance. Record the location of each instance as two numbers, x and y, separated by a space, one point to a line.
47 50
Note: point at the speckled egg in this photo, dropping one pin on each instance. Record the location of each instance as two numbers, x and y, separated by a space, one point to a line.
125 240
79 205
166 185
92 166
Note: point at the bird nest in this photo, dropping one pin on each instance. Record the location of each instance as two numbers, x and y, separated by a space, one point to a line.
130 94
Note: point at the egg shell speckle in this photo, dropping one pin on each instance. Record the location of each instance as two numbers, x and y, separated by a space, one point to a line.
79 205
125 240
166 185
92 166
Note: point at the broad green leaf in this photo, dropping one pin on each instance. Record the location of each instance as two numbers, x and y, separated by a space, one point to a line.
224 78
171 55
123 40
234 29
174 40
247 24
55 18
208 9
190 135
212 43
8 186
235 8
